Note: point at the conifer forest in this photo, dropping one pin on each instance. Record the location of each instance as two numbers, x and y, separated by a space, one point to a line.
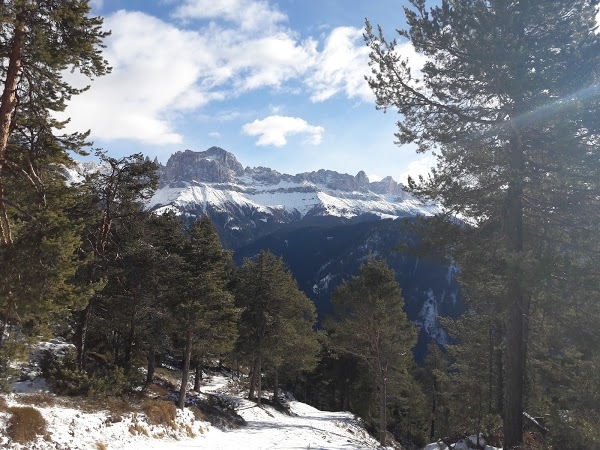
153 303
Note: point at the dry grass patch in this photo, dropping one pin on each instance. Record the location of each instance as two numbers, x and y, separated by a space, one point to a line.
160 412
169 378
101 446
25 424
198 414
156 390
3 405
189 431
117 407
39 399
136 428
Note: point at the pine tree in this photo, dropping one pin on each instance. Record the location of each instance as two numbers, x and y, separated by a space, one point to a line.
126 311
369 323
39 223
276 325
40 40
117 193
508 98
205 311
36 283
435 368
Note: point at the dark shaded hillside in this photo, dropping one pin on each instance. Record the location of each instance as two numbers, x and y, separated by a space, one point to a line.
321 257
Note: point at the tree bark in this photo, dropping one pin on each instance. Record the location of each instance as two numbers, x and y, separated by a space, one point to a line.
276 386
382 413
129 346
81 338
198 376
151 365
433 410
252 381
7 108
491 370
515 344
186 370
259 381
500 374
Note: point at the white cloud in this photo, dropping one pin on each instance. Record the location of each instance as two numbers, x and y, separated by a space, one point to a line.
160 70
267 61
274 130
421 166
343 65
155 73
214 134
276 109
248 14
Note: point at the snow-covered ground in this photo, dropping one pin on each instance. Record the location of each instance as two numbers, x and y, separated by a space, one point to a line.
463 444
266 428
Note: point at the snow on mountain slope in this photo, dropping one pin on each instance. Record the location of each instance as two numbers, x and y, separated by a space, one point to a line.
191 182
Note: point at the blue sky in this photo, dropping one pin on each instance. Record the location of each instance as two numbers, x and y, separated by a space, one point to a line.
278 83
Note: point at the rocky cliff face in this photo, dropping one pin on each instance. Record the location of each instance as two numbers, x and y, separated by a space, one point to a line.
214 165
253 201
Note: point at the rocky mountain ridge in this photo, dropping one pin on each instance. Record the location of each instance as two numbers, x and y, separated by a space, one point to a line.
253 201
216 165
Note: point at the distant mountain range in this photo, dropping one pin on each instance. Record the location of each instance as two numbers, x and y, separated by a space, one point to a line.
253 201
324 224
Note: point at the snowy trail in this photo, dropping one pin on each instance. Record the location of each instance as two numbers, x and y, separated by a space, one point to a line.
267 428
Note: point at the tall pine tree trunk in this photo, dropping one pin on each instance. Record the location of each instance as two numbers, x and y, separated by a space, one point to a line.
187 356
433 410
198 376
499 363
81 335
252 381
276 386
151 365
259 381
515 343
491 370
7 108
129 345
383 411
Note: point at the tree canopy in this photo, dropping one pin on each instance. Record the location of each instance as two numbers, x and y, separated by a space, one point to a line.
508 100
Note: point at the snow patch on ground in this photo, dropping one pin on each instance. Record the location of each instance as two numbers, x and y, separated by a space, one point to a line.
266 428
463 444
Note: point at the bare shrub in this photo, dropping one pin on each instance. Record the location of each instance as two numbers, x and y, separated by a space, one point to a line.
25 424
160 412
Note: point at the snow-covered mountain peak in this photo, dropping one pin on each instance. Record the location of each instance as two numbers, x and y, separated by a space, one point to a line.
252 201
214 182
